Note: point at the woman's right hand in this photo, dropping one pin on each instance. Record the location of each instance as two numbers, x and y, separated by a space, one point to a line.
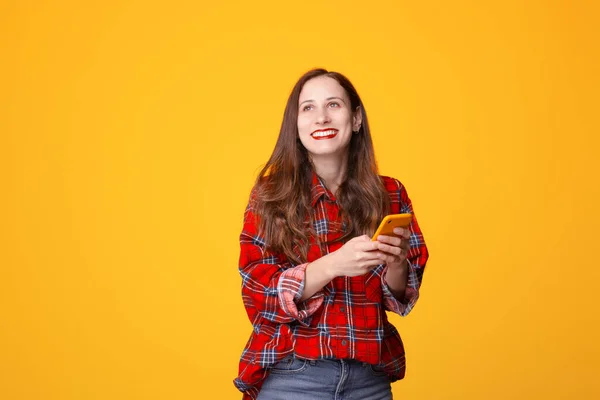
356 257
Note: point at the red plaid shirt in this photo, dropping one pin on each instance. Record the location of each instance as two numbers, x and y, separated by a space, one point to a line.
344 320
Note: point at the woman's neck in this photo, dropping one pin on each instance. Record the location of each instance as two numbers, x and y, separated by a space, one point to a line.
332 169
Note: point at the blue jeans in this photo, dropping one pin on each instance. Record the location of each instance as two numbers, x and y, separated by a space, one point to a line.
299 379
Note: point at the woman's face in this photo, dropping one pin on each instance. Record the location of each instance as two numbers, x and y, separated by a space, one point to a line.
325 117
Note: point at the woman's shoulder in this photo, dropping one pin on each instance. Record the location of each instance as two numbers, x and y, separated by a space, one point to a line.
398 195
391 184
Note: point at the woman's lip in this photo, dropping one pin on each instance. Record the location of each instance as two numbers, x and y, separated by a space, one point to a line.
334 134
325 130
330 136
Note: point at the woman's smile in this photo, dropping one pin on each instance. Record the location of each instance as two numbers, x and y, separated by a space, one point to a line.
321 134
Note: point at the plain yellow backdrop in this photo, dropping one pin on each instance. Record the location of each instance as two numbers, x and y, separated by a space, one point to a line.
131 133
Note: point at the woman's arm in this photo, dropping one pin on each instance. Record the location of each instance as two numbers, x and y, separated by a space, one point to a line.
356 257
396 278
317 275
401 280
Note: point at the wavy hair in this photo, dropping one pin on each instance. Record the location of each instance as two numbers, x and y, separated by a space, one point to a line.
282 194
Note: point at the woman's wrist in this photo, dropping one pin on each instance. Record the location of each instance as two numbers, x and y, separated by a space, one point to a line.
327 265
331 266
400 267
396 278
317 274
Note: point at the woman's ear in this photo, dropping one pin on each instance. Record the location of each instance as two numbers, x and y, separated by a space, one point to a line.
356 119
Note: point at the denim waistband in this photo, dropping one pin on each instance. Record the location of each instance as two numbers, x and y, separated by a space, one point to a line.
347 361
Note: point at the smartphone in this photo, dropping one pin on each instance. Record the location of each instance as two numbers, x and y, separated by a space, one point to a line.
387 225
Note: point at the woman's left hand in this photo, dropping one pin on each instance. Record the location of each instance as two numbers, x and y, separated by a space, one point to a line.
395 248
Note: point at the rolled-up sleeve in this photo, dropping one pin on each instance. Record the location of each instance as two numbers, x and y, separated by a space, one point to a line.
411 294
417 259
271 287
290 288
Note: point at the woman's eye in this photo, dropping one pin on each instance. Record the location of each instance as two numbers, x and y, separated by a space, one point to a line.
306 108
334 103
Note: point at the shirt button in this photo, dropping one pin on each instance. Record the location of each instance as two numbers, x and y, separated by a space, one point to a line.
344 342
342 309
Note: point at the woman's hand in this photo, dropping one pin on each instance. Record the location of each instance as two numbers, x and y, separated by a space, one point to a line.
358 256
396 248
396 276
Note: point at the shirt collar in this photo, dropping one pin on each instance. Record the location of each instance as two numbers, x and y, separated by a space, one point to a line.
319 189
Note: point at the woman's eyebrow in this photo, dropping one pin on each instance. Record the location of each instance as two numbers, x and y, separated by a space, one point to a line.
329 98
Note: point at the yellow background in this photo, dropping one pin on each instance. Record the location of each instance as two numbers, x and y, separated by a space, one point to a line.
131 132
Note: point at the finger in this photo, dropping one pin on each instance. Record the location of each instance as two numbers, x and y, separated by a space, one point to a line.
369 256
402 232
359 238
381 256
386 248
375 258
388 258
373 263
365 267
394 241
367 245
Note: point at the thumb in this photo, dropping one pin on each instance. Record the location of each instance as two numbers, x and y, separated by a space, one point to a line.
364 238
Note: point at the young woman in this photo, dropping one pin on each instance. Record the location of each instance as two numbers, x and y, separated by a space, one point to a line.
315 286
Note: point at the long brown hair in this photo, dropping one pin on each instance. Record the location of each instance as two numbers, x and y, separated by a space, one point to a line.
282 201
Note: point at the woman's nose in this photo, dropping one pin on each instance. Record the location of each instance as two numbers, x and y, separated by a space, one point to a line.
323 118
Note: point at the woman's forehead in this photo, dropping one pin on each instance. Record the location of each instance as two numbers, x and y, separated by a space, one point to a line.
321 88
